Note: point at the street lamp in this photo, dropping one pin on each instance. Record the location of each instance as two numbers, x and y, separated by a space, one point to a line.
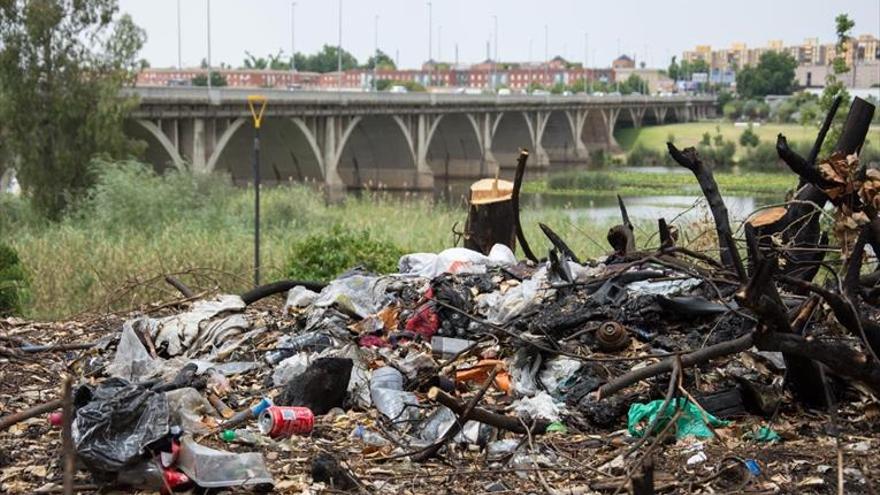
179 57
546 54
375 51
495 57
292 37
430 42
339 53
531 61
586 59
209 44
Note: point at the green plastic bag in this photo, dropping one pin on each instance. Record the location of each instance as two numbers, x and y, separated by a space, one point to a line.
764 434
690 423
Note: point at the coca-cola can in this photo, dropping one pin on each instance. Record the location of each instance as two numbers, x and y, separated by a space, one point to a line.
282 422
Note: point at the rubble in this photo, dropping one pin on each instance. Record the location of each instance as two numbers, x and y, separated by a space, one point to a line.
663 370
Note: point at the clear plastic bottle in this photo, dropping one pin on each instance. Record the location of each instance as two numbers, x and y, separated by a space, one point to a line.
368 437
242 436
148 475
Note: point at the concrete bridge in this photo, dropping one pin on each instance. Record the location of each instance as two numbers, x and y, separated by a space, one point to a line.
397 140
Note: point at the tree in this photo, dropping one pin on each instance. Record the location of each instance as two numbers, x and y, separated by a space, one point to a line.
62 64
384 61
835 88
325 60
674 69
774 75
748 139
217 80
271 62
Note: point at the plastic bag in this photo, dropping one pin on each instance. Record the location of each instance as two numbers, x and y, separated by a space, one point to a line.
299 297
691 422
115 422
357 294
454 260
207 325
501 308
540 406
212 468
386 391
187 407
132 362
557 371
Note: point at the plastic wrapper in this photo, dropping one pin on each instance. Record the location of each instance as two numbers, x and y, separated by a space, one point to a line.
291 367
356 294
454 260
187 407
449 346
386 391
115 422
541 406
523 371
212 468
663 287
299 297
557 370
502 308
132 362
691 422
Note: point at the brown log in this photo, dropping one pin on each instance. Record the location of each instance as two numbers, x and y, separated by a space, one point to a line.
517 185
500 421
491 217
180 286
689 159
643 482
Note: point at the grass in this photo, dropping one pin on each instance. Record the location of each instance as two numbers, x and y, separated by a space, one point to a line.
634 183
689 134
135 228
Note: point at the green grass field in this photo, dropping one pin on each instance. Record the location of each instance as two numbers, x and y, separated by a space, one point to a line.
689 134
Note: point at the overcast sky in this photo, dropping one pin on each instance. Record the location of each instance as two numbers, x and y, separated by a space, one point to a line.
654 30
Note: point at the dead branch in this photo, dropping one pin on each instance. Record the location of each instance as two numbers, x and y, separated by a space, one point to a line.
689 159
67 447
179 285
558 243
485 416
11 419
514 199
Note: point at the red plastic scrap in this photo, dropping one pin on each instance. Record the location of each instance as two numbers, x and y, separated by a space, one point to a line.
425 321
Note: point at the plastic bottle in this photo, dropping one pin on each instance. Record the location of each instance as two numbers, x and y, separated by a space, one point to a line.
291 345
368 437
149 476
241 436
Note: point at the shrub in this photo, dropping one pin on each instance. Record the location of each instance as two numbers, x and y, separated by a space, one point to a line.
761 157
14 289
641 156
748 138
326 255
582 180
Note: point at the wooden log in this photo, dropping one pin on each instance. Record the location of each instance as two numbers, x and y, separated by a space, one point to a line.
491 217
501 421
517 185
643 481
67 447
689 159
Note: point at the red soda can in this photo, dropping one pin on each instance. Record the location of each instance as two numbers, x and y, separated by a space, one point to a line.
282 422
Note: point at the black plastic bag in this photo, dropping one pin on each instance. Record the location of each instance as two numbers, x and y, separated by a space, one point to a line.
115 422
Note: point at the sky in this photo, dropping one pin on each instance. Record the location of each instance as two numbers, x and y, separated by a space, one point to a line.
652 30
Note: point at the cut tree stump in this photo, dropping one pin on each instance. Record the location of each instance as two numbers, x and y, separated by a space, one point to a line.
491 217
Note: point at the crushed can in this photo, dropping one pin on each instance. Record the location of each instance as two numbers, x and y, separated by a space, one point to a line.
282 422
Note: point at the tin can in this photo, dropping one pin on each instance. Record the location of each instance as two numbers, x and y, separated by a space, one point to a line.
282 422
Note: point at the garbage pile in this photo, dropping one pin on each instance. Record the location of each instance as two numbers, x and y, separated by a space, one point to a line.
661 370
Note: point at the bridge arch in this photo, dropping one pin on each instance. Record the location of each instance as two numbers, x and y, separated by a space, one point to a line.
378 151
160 152
511 131
455 148
557 137
286 152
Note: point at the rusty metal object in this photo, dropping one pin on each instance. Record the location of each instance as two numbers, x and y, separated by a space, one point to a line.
612 336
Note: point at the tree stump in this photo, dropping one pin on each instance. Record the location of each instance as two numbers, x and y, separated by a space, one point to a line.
491 217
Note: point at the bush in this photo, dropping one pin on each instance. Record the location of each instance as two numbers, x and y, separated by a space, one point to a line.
748 139
731 110
14 289
761 157
325 256
582 180
640 156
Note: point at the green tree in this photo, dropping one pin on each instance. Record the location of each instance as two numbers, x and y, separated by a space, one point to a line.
774 75
62 64
707 139
325 60
748 139
217 80
835 88
674 70
382 59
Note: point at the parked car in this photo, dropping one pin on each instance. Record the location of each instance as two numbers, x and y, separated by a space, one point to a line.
397 89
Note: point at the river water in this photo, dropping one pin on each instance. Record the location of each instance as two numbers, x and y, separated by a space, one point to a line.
687 203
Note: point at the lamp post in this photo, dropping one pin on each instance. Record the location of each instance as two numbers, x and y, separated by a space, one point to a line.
293 36
375 51
339 53
546 54
531 61
209 44
179 44
430 43
586 60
